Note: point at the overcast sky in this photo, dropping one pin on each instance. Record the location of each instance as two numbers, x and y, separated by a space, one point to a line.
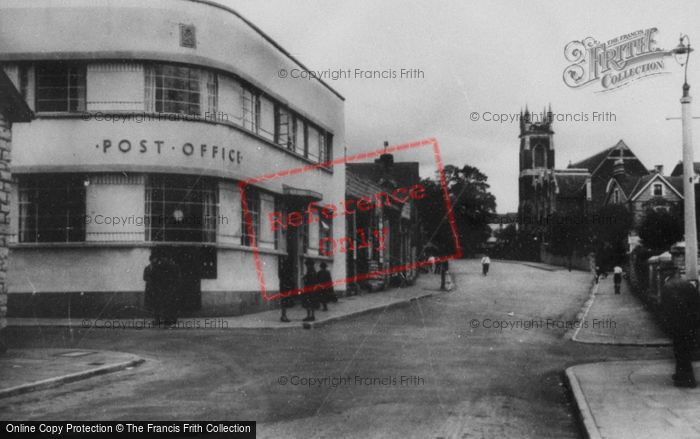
493 56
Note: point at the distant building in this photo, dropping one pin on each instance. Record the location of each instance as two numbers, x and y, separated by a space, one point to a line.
581 188
651 191
543 189
400 223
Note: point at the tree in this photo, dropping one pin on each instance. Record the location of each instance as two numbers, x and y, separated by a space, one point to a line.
610 227
567 233
473 206
660 228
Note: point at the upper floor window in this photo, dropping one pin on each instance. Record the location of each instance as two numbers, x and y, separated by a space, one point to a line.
250 102
616 196
658 190
539 156
174 89
51 208
60 87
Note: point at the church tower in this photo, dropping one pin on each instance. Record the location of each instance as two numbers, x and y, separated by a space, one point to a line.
536 178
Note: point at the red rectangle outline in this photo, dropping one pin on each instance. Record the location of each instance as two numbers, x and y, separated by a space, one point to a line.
356 157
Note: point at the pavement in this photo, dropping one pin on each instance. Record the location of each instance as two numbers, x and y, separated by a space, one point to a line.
618 319
629 399
426 285
27 370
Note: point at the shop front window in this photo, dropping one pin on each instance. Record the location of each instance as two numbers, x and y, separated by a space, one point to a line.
181 208
252 199
51 208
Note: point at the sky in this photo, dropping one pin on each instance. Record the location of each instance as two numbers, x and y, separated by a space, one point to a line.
487 57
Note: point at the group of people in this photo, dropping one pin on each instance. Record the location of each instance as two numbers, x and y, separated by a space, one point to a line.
162 297
319 292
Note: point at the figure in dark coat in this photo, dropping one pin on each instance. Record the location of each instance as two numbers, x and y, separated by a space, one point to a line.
148 300
326 293
681 307
165 279
309 299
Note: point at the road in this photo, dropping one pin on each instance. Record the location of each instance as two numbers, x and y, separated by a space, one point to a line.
463 378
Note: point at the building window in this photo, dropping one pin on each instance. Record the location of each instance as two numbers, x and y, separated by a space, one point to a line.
252 198
212 103
266 127
304 234
327 149
300 136
51 208
313 151
539 156
616 196
325 235
284 134
60 87
251 109
658 190
173 89
181 208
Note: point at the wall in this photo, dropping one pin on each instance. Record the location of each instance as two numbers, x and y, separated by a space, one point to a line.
5 184
578 262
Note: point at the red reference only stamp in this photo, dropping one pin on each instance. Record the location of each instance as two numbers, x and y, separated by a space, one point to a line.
367 235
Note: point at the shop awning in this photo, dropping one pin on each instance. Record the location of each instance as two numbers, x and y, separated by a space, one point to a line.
301 193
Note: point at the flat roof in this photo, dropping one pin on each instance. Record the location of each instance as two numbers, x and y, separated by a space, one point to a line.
266 37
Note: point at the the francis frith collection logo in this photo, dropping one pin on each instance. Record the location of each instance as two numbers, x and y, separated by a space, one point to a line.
614 63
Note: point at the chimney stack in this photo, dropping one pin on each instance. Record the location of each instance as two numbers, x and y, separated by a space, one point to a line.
659 169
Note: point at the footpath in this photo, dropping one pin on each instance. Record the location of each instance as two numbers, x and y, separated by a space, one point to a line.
426 285
629 399
26 370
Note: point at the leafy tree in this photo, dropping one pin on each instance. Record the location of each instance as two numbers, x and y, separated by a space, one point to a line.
660 228
473 206
610 227
568 232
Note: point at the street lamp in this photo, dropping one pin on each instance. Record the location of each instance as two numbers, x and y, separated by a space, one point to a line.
682 55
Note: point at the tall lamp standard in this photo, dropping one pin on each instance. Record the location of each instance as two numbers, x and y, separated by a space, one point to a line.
682 55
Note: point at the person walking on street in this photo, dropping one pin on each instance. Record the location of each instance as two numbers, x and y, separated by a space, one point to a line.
680 306
444 268
148 298
485 263
309 299
326 293
617 278
166 278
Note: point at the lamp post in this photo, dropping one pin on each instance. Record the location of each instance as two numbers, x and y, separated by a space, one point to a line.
682 55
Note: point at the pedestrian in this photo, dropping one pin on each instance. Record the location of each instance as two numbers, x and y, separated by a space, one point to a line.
431 261
617 278
309 299
597 273
149 300
287 289
680 306
326 293
444 267
485 263
165 276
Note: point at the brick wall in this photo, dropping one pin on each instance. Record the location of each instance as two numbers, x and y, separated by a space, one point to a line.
5 182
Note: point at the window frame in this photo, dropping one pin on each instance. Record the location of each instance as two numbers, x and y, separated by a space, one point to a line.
80 89
34 194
